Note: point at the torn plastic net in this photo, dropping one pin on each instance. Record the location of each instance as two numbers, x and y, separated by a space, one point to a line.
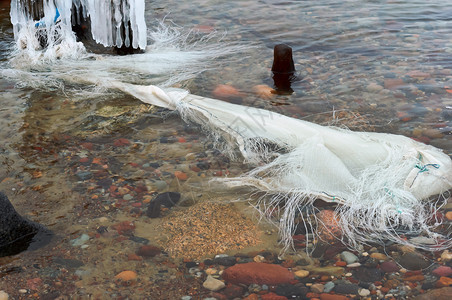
380 181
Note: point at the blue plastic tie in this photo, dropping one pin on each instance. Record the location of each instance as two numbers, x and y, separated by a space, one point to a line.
425 169
42 23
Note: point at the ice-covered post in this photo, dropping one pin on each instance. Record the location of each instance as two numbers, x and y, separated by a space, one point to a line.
111 23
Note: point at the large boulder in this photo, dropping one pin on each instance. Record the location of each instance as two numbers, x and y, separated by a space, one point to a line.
17 233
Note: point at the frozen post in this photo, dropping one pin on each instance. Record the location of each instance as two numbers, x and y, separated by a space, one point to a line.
117 24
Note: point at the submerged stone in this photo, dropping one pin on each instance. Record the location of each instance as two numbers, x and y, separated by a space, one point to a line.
413 261
168 199
17 233
260 273
365 274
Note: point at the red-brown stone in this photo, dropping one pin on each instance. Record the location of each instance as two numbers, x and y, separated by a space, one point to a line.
312 295
260 273
443 271
340 263
125 228
232 291
415 278
443 282
325 296
272 296
121 142
219 296
252 297
148 251
133 256
393 83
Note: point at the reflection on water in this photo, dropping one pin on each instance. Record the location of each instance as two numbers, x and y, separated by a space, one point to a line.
87 168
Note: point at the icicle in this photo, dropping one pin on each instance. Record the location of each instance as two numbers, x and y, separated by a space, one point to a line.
104 31
111 21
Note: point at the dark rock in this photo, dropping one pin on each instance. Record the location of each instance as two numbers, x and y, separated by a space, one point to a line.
320 249
333 250
413 261
49 272
225 261
105 183
84 175
18 234
428 285
389 267
364 284
271 257
244 260
233 291
203 165
168 199
191 264
371 263
302 262
292 291
447 114
49 296
346 288
139 240
68 263
154 165
164 139
368 274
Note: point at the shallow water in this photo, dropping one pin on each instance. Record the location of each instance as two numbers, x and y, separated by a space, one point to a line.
78 164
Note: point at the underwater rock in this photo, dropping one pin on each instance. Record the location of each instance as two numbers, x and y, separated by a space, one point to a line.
168 199
260 273
291 291
349 257
365 274
126 276
438 294
213 284
148 251
18 234
346 288
414 261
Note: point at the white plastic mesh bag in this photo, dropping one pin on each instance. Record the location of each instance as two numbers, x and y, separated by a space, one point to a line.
379 180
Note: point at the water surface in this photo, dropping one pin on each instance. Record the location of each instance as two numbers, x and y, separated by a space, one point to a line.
79 163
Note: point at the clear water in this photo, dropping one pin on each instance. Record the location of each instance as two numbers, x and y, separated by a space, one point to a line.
369 65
